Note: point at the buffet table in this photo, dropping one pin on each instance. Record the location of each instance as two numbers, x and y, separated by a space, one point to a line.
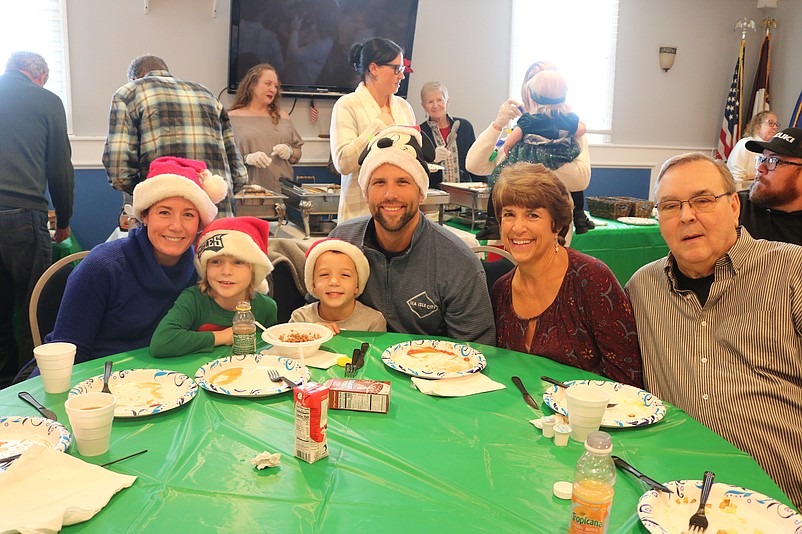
431 464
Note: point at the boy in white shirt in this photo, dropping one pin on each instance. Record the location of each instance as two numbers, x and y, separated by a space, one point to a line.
336 273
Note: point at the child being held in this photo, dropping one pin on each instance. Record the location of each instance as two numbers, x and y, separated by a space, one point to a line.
336 273
548 134
231 258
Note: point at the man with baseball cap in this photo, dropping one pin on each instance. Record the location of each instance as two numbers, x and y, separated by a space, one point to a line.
772 208
423 278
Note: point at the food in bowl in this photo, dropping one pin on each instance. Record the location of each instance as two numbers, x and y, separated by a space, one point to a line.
298 337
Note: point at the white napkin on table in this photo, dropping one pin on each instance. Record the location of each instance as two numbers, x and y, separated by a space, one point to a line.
44 490
457 387
322 359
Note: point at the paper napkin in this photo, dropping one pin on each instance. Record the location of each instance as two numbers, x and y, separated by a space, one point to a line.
322 359
45 490
457 387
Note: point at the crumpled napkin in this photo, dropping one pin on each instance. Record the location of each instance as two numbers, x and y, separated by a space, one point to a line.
457 387
45 490
265 459
322 359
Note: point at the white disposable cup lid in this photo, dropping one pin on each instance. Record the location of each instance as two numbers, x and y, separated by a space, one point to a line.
563 489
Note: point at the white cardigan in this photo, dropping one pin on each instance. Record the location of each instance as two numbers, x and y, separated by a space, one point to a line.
354 122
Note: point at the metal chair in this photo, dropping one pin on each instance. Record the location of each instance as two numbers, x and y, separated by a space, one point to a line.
47 293
495 269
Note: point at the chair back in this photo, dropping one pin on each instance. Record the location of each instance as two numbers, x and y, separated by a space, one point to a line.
284 290
497 268
47 293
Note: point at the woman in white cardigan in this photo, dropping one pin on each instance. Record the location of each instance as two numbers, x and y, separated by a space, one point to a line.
357 116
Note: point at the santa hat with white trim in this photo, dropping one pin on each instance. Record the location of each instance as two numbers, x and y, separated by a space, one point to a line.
403 146
336 245
180 177
244 238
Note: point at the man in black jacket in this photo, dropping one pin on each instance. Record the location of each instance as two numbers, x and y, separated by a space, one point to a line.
772 208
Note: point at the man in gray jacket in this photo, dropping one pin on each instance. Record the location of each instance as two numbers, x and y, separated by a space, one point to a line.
422 277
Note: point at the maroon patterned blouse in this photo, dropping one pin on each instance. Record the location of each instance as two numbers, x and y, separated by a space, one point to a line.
589 325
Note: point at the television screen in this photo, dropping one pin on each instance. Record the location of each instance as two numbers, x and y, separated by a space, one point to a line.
308 41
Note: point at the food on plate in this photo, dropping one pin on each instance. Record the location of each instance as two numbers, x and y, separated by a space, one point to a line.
16 446
446 360
137 394
226 376
298 337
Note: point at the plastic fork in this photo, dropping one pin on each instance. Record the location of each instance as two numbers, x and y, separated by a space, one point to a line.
276 377
106 375
698 521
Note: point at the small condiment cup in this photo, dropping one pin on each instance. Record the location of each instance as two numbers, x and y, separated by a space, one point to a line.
548 423
561 433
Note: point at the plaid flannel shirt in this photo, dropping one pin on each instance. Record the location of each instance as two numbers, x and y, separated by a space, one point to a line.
159 115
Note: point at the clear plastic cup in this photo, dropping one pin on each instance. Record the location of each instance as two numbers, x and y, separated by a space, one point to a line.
55 361
586 407
91 416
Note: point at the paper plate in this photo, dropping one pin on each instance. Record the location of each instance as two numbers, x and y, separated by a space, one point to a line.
638 221
142 392
434 358
633 406
18 433
729 509
246 375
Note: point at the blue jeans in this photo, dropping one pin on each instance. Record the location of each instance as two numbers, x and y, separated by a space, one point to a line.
25 253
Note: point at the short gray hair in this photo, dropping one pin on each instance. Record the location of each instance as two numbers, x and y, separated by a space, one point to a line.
32 63
143 64
689 157
431 87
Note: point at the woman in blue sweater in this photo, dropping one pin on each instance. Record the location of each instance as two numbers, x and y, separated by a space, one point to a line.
117 295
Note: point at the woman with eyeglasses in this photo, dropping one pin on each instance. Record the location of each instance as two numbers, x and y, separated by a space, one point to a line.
741 161
357 116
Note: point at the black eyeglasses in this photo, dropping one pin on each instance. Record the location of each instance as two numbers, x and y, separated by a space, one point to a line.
699 203
771 162
397 69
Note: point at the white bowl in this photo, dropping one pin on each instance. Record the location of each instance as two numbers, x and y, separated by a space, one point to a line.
294 349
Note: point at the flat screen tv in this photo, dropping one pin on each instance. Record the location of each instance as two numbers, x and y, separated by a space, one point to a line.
308 41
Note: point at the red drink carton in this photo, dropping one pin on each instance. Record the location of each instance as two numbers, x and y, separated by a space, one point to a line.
311 420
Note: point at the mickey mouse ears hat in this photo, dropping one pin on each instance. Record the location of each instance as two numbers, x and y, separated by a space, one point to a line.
787 142
403 146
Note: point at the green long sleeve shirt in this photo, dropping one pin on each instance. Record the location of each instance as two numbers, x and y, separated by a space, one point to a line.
190 324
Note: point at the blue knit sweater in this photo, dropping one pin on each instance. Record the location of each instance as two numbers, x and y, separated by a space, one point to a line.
117 295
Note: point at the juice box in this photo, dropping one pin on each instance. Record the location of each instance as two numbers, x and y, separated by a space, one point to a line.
311 420
359 395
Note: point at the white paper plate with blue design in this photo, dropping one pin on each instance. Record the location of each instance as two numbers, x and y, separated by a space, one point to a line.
633 406
434 358
729 509
246 375
142 392
18 433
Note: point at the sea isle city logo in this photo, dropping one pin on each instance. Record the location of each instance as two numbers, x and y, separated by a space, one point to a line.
421 305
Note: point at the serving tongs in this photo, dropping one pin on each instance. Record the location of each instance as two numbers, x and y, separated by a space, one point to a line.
292 183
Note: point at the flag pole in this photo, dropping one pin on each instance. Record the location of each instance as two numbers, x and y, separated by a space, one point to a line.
745 24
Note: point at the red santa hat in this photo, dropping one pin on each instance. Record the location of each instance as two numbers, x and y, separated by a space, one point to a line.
244 238
180 177
337 245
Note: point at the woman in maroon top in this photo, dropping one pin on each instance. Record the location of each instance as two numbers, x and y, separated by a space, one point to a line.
557 302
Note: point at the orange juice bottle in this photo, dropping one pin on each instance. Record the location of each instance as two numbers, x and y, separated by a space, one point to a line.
594 479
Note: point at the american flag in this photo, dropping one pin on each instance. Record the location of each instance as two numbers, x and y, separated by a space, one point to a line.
731 126
760 89
313 112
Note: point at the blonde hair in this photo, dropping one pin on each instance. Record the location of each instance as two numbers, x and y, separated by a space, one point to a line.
754 123
206 289
533 186
245 91
552 85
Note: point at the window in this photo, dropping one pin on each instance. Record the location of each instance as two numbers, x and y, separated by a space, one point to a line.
581 46
38 26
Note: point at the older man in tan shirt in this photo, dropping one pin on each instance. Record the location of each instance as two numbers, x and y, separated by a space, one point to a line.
720 320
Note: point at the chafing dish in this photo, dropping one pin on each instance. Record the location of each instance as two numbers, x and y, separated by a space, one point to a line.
474 196
315 203
256 201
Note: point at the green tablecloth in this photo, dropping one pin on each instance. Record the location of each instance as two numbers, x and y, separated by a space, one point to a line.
624 248
468 464
65 248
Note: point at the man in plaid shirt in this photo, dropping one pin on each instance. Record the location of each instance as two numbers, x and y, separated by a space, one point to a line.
156 114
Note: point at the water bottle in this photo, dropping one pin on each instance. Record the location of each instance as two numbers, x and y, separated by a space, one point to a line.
594 479
244 330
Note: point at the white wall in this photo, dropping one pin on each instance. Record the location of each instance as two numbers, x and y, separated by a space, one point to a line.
464 44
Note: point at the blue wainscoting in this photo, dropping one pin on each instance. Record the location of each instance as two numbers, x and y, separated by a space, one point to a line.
608 182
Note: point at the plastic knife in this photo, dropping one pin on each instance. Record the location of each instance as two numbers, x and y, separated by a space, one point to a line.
621 464
527 397
24 395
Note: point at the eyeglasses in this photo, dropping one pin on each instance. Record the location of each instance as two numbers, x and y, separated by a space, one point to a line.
699 204
397 69
772 123
771 162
